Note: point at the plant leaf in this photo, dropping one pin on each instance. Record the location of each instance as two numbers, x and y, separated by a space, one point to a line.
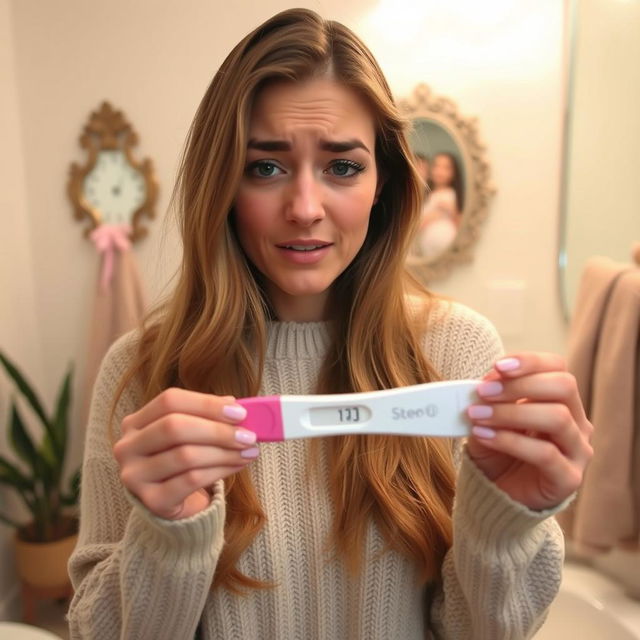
74 481
20 440
70 499
31 396
25 496
48 452
11 475
26 451
61 417
25 388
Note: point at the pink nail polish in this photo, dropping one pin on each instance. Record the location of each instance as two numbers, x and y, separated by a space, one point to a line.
245 436
254 452
234 412
492 388
483 432
508 364
480 412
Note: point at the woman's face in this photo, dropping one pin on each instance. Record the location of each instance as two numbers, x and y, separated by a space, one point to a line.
303 205
442 172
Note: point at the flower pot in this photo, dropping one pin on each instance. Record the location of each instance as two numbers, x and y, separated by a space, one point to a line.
44 564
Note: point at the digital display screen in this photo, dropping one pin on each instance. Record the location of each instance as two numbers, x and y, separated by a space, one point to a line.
338 416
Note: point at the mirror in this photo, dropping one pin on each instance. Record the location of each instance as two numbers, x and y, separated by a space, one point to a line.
600 203
453 163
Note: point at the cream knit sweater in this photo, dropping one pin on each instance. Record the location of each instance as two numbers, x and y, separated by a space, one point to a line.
140 577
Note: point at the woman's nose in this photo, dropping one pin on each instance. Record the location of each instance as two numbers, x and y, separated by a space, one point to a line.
304 205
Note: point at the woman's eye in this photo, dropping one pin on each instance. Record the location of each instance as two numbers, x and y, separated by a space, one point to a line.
263 169
345 168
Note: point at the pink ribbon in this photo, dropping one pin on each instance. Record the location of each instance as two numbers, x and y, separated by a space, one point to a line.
109 238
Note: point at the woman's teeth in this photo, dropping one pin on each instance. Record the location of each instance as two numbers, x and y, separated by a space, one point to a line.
296 247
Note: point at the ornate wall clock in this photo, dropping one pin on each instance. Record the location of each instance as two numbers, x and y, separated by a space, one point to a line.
112 188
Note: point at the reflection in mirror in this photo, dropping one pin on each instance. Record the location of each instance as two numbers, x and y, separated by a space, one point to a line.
452 162
440 163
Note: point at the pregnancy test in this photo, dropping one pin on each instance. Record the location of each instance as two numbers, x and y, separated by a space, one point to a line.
429 409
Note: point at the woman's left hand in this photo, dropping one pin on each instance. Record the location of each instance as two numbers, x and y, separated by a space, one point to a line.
531 435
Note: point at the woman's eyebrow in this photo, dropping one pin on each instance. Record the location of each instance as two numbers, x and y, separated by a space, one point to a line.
341 146
336 146
269 145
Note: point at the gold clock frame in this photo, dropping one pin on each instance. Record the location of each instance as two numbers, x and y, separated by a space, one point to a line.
108 129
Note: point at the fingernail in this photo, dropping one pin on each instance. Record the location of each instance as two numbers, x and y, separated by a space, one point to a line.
492 388
508 364
234 412
480 412
250 453
245 436
483 432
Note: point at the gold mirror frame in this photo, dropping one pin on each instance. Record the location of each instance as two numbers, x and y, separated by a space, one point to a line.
423 104
109 129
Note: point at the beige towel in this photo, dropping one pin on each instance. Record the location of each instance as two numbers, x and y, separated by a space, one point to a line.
596 284
606 510
633 543
118 308
598 279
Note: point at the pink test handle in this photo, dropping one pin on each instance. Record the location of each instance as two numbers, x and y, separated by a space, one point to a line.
264 417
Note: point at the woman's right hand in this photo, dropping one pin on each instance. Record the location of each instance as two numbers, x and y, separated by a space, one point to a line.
177 446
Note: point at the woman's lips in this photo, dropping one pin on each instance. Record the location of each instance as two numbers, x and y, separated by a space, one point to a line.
304 251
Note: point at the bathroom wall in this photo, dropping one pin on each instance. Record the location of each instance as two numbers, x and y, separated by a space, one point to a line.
501 61
19 326
604 135
603 194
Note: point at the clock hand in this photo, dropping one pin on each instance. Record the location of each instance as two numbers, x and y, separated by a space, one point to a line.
117 188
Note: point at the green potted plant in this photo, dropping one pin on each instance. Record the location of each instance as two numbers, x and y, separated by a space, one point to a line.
44 543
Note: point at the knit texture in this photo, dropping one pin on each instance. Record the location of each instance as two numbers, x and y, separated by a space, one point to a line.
140 577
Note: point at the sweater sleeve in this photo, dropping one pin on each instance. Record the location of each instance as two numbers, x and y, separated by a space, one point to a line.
504 568
505 565
135 575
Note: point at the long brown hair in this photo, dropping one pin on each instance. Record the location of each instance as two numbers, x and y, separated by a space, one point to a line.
405 484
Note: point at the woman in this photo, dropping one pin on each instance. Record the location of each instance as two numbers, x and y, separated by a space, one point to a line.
446 177
298 203
442 210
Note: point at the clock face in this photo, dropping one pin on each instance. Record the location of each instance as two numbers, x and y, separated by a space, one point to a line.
114 188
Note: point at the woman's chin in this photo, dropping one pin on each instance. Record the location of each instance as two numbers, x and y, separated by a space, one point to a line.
303 302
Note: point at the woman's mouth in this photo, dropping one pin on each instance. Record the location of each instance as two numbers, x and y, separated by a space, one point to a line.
305 251
299 247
